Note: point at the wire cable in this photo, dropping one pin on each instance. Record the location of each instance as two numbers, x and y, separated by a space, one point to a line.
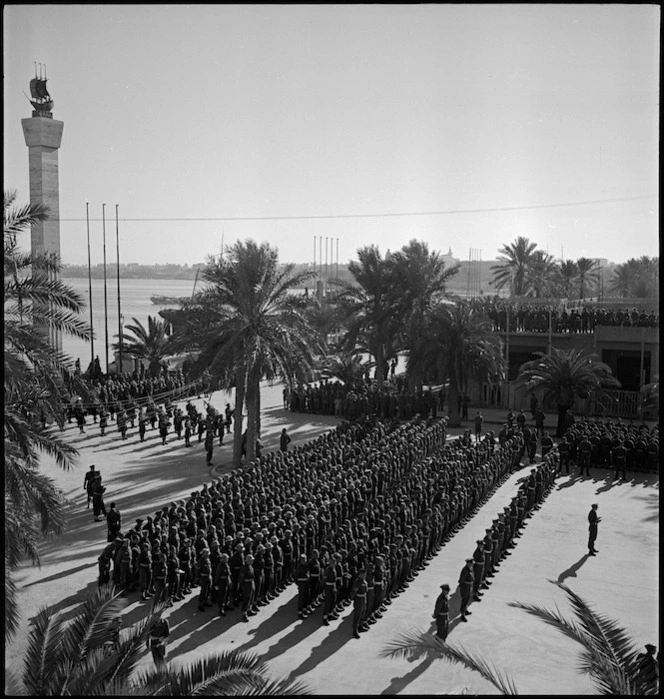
384 215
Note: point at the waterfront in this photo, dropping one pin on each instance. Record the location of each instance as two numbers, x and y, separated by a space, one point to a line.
135 303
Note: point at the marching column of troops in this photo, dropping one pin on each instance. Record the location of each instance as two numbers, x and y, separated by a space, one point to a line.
350 517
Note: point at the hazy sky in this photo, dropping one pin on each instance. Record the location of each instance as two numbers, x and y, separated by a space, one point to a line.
341 112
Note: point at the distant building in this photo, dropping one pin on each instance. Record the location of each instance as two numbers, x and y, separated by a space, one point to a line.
449 259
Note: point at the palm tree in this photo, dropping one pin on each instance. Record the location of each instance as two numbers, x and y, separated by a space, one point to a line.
568 278
513 271
151 343
251 329
458 343
588 274
322 317
368 307
421 278
349 368
92 656
414 645
37 382
638 278
609 655
565 375
542 275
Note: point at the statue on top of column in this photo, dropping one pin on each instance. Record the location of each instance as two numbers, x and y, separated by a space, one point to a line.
41 100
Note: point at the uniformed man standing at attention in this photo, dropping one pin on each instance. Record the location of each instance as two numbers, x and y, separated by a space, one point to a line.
593 521
359 595
466 580
441 612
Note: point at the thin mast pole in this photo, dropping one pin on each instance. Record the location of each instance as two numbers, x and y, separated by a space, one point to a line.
117 247
314 259
103 218
92 337
336 272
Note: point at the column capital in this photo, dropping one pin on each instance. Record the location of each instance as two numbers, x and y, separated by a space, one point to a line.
39 131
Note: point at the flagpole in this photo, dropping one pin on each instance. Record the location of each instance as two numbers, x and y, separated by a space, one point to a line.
103 218
92 336
117 245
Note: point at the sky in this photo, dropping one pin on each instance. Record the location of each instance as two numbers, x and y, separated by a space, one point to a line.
461 125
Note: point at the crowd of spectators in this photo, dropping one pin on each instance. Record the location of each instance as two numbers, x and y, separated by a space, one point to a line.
349 517
536 318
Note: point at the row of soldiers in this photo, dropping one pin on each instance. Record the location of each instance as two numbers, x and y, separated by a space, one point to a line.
611 444
499 539
241 538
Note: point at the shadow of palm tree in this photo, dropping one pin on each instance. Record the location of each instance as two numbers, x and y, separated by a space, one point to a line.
652 505
398 684
571 571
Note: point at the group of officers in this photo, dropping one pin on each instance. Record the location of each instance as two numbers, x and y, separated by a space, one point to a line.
350 517
362 397
612 444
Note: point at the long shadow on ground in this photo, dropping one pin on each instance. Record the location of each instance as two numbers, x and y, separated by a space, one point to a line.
329 646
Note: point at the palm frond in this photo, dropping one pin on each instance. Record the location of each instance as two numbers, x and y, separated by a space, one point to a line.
417 644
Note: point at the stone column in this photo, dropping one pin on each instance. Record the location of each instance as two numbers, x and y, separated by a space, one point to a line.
43 137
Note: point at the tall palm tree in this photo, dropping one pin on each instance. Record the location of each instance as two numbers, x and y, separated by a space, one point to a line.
565 374
37 383
588 274
368 307
542 275
151 343
609 655
421 278
568 278
515 263
638 278
322 317
252 329
92 656
458 344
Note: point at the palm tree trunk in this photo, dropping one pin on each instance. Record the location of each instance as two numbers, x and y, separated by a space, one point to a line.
380 365
562 410
240 383
258 408
253 406
455 415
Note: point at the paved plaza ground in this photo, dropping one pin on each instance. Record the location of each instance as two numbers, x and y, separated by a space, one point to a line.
621 582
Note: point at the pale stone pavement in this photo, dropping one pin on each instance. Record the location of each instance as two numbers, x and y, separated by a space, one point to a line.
621 582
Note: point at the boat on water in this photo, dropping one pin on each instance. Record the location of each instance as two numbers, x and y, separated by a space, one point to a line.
168 300
174 300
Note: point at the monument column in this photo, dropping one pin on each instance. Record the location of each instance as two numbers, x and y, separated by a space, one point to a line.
43 135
